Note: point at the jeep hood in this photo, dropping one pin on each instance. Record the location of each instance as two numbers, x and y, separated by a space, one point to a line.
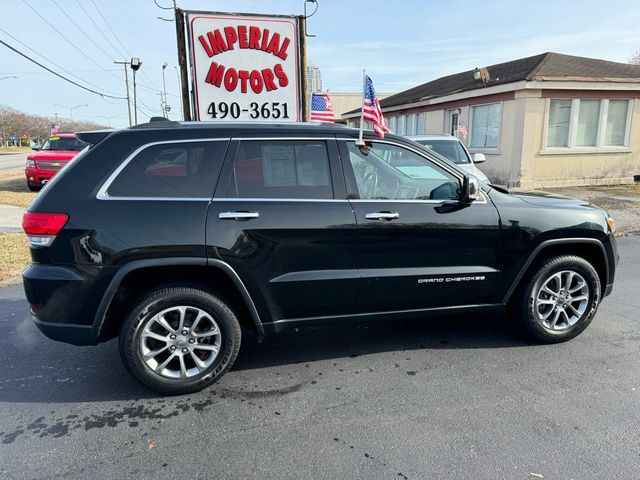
546 199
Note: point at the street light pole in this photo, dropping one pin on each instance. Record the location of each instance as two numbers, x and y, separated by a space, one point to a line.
126 82
71 109
135 64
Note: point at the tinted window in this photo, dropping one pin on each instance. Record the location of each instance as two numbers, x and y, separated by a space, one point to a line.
281 169
389 172
184 170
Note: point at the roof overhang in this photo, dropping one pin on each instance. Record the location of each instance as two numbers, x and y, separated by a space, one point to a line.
541 83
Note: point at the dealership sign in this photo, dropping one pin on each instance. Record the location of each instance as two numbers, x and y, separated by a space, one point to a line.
244 67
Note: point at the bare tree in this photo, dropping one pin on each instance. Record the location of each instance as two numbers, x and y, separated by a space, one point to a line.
635 58
30 127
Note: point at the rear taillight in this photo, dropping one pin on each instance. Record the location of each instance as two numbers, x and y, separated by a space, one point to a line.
42 228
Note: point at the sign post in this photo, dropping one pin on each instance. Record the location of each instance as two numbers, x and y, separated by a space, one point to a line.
246 67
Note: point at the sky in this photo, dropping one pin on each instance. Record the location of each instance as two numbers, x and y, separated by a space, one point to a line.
402 44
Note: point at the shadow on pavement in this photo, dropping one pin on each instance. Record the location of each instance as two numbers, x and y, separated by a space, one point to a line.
37 369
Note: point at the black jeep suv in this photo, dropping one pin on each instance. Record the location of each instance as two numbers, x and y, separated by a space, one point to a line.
171 236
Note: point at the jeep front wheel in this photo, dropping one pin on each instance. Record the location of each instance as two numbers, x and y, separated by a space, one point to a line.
561 299
179 340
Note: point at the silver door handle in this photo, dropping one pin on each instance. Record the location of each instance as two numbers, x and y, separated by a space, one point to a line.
237 215
382 216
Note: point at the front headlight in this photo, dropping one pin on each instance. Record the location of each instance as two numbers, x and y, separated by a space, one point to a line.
611 223
31 163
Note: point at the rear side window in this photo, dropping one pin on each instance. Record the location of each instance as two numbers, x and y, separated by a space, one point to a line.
281 169
173 170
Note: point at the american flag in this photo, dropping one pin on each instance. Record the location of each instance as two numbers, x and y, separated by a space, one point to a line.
321 110
372 111
462 129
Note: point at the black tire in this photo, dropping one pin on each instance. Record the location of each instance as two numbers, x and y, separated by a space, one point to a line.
159 300
34 187
525 306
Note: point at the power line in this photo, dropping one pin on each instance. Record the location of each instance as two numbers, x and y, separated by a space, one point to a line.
57 74
50 61
110 29
150 84
90 17
80 29
67 39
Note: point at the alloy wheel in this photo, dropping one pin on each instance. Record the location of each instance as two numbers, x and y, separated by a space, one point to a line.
180 342
561 300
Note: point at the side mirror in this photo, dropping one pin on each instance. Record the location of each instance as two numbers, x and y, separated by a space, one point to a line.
471 189
479 158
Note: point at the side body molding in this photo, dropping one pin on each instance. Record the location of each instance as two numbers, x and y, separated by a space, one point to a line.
111 290
549 243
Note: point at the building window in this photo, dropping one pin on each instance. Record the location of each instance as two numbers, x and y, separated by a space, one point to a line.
420 126
558 127
587 123
401 125
392 124
411 124
485 126
616 129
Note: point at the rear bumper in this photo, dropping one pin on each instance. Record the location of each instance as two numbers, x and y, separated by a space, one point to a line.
64 300
67 333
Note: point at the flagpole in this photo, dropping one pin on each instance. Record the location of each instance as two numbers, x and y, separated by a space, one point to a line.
364 86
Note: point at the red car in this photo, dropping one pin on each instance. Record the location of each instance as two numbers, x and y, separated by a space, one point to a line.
47 160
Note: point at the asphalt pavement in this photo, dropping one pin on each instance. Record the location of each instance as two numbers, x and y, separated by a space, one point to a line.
12 161
448 398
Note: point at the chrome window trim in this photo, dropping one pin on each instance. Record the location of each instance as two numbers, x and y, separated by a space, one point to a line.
299 200
103 195
304 139
372 200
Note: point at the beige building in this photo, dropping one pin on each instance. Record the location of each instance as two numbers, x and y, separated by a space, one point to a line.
343 102
548 120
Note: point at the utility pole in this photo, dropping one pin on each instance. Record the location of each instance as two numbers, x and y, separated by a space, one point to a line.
165 107
126 82
182 61
181 103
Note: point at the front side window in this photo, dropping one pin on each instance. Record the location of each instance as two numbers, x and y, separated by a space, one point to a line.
587 122
389 172
485 126
281 169
175 170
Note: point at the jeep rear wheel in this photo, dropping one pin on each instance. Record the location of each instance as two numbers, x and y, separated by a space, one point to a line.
560 299
179 340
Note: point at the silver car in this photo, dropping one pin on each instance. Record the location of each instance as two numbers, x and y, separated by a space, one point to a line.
454 150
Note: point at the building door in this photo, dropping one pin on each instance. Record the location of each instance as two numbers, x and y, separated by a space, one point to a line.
451 128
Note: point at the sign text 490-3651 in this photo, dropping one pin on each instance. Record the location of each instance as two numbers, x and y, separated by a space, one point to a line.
255 110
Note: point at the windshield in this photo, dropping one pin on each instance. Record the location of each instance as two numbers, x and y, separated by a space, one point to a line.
63 143
449 149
